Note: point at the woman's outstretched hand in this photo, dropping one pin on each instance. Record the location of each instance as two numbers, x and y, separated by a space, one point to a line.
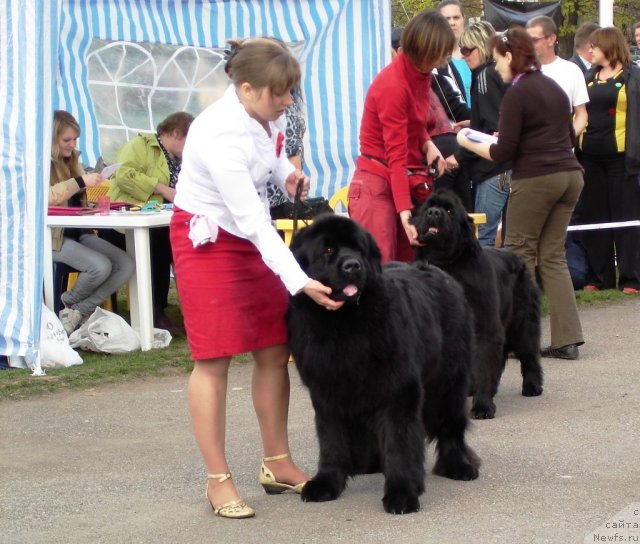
319 293
409 229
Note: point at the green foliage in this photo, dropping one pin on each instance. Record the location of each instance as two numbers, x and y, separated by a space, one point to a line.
574 12
403 10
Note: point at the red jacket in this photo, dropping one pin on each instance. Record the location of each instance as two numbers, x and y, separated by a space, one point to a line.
393 124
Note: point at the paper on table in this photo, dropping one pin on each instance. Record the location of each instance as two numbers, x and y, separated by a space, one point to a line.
477 136
108 171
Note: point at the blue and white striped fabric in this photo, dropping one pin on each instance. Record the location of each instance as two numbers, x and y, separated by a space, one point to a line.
29 37
346 43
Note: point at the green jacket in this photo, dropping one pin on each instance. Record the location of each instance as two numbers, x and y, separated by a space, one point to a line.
143 167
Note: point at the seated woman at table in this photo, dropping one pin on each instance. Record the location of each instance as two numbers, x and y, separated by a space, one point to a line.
150 164
103 267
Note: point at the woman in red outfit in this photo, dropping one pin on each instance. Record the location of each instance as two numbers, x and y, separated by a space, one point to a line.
394 142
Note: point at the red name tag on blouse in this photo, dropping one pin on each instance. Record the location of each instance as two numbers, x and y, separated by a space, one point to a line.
279 142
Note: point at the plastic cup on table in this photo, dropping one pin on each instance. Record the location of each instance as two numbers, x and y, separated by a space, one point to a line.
104 205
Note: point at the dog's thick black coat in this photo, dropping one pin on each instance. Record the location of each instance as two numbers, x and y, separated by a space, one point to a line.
504 300
386 372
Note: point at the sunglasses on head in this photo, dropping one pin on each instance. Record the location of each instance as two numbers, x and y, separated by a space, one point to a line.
466 51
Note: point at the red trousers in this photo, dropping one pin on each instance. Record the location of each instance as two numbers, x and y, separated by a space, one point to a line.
371 205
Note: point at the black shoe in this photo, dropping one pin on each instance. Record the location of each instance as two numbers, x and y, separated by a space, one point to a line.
161 321
565 352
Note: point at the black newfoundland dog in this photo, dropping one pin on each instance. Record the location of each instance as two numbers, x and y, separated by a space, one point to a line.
386 372
499 290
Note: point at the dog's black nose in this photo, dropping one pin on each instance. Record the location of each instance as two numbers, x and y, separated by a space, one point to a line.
351 265
434 212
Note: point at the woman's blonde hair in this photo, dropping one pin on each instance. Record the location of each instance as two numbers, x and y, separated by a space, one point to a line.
427 40
64 168
478 35
262 62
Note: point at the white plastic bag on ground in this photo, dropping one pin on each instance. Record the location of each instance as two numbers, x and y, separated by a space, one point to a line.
161 338
55 351
105 332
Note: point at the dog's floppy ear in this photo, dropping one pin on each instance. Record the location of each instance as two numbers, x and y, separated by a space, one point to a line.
469 229
297 247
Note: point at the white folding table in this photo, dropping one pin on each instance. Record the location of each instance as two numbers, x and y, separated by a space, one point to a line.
136 226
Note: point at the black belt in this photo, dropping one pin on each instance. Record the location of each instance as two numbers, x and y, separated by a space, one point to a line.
383 163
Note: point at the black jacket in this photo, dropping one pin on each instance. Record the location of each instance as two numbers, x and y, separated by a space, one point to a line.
487 90
446 83
632 126
577 59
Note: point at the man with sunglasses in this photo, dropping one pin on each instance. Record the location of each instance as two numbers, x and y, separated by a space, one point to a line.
544 33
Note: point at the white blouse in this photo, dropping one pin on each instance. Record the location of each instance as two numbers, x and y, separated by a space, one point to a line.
227 160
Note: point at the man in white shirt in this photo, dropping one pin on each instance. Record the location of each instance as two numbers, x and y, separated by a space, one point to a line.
544 33
582 46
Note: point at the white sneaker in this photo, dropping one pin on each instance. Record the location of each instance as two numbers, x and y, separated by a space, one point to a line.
63 299
70 319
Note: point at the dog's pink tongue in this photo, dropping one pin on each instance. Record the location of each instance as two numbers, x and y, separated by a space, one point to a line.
433 229
350 290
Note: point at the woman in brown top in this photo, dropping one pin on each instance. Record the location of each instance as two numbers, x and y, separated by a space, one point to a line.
536 134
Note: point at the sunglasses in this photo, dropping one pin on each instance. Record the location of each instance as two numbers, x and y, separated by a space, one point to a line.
466 51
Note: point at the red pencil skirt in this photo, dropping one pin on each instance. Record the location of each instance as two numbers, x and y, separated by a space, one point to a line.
231 300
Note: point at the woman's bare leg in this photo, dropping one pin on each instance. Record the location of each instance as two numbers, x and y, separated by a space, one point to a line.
270 391
207 396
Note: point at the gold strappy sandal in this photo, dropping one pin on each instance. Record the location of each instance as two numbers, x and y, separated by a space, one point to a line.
232 509
269 482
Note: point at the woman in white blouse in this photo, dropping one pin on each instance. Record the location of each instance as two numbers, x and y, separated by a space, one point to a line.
233 270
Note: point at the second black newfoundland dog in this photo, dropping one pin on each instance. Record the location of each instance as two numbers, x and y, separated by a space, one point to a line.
499 290
386 372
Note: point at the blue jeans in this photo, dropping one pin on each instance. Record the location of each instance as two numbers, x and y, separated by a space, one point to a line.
491 200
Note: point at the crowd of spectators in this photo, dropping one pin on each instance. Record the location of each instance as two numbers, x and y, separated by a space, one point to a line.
599 84
601 81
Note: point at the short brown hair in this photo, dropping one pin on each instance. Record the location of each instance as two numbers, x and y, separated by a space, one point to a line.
517 42
612 43
583 33
549 27
263 62
446 3
179 121
427 40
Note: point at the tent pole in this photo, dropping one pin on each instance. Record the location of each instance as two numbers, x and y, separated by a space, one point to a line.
606 13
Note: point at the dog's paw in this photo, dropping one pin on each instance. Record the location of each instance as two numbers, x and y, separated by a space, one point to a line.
319 491
483 410
531 389
459 470
397 502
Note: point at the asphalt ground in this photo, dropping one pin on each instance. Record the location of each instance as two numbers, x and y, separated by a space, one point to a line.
118 464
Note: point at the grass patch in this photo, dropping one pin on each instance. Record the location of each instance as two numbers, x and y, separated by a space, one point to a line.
99 369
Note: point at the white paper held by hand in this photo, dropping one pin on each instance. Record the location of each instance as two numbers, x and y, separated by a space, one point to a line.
477 136
108 171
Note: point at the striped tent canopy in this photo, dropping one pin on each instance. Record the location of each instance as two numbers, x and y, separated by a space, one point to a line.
49 44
